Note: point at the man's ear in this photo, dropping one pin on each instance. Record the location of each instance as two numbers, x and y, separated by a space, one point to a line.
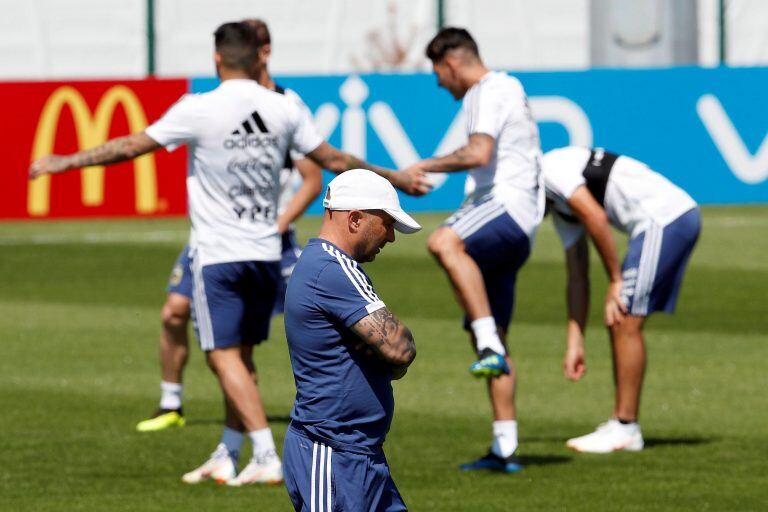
264 52
453 62
217 58
355 220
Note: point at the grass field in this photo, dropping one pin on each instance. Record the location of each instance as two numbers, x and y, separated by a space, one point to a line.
79 309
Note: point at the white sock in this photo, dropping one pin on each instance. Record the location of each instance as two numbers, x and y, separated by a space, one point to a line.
627 427
170 397
486 335
504 438
263 444
233 440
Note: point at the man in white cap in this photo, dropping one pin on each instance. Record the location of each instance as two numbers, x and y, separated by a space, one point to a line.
346 347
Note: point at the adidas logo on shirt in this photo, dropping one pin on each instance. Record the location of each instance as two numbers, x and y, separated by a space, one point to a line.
252 133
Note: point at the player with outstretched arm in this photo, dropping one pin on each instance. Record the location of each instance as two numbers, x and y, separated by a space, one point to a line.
238 135
483 245
300 183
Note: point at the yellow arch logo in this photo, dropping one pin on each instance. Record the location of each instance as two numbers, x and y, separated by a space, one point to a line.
92 129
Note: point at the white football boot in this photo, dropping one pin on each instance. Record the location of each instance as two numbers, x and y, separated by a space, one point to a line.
610 436
264 469
219 467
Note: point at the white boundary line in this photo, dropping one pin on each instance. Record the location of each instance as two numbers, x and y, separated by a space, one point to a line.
96 238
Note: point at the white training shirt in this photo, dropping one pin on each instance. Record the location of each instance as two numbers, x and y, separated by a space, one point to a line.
238 136
497 106
635 195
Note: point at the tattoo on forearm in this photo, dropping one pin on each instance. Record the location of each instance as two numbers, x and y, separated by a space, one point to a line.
382 325
460 159
461 155
411 345
352 162
115 150
381 330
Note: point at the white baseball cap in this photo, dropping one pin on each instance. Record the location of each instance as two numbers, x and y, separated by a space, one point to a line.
361 189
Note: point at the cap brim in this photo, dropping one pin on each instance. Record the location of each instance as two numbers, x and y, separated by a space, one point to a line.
404 223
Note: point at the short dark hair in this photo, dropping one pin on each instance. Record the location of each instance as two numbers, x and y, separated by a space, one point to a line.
261 29
451 38
235 42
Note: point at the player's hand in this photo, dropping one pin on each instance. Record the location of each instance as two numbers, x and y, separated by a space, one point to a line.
51 164
615 309
412 180
574 366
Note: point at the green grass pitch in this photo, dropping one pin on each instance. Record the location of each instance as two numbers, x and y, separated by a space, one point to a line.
79 322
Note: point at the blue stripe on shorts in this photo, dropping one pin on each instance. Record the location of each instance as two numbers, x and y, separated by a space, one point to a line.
655 263
232 302
320 478
499 247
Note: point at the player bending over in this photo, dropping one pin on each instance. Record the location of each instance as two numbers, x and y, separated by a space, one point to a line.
587 192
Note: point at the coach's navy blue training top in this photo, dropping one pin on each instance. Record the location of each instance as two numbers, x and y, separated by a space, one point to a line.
342 395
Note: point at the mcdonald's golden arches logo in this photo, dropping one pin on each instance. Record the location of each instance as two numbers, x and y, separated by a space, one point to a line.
92 129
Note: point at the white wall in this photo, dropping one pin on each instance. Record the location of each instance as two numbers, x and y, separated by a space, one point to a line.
321 36
525 34
73 38
747 35
48 39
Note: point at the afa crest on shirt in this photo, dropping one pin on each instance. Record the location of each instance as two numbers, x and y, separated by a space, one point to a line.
176 274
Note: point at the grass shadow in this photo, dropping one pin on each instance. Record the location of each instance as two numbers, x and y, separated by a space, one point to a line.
203 421
209 421
543 460
676 441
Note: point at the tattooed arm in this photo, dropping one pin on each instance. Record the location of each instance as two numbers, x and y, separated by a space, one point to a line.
111 152
388 339
476 153
337 162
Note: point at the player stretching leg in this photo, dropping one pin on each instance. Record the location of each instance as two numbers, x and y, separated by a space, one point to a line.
483 245
587 192
300 183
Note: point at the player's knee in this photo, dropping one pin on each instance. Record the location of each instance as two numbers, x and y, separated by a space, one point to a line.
175 314
443 242
217 360
630 328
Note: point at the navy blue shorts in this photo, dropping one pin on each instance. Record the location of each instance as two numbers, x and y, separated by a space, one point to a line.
499 247
655 263
232 302
291 253
180 280
320 478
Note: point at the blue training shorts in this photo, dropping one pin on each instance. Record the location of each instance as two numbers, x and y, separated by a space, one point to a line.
180 280
655 263
232 302
320 478
290 255
499 247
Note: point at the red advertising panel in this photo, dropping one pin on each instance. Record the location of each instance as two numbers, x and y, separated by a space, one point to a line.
62 117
